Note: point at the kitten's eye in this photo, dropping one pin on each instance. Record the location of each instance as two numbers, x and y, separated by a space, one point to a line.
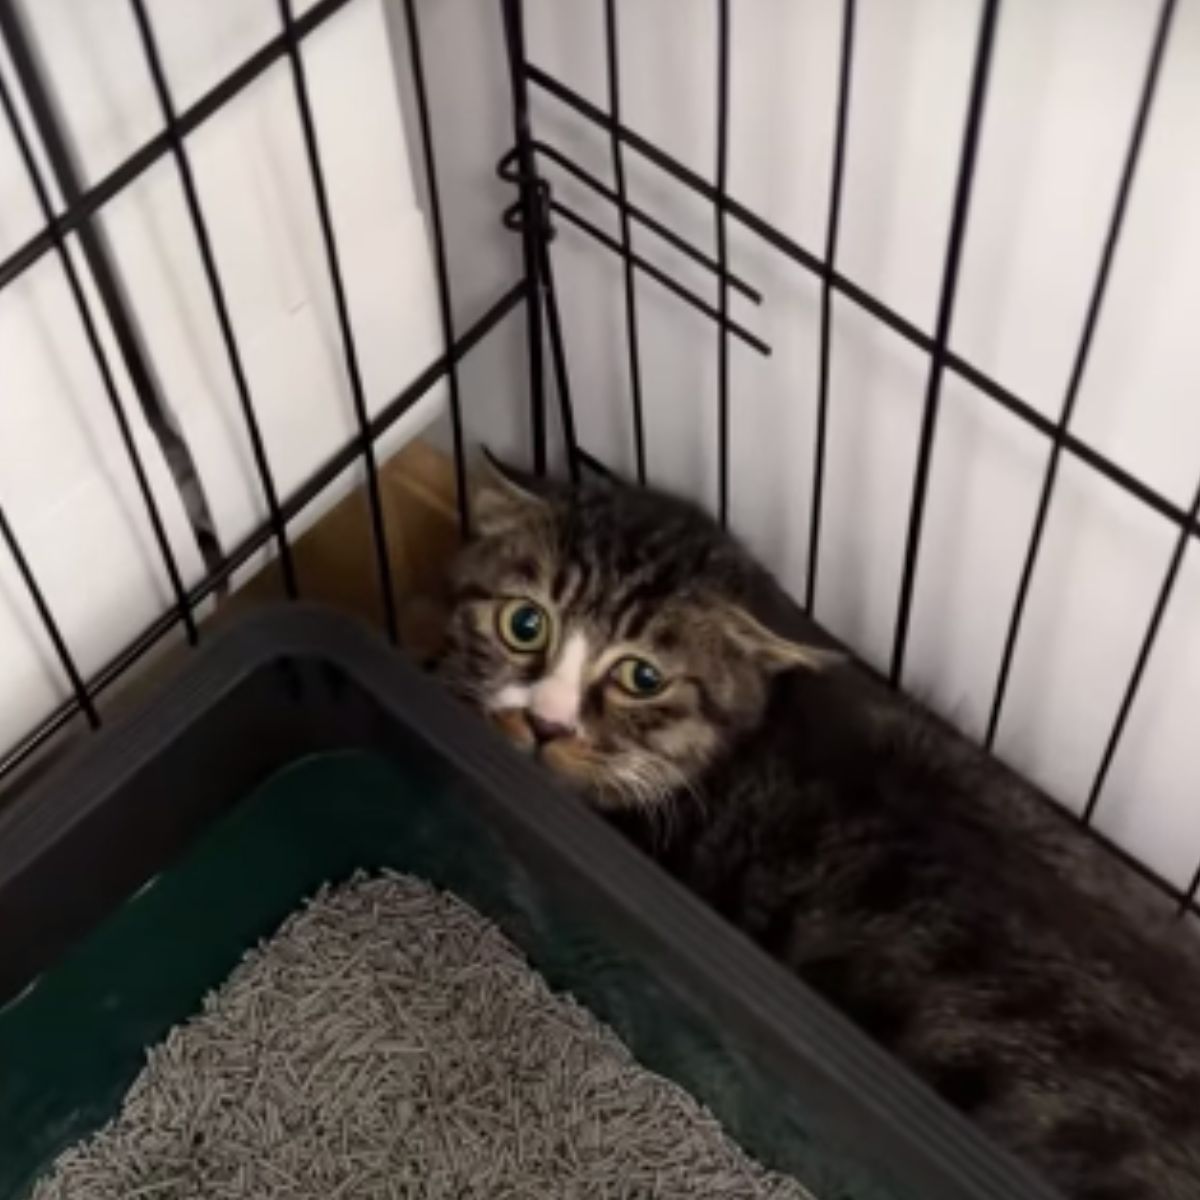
638 677
524 626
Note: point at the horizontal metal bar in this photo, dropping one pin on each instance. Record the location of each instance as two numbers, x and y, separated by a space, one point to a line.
147 155
296 502
685 294
507 172
893 320
672 166
1073 445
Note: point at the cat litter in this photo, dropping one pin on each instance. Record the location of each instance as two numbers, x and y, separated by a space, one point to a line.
389 1042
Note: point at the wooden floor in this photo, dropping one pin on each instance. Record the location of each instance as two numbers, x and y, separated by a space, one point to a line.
335 559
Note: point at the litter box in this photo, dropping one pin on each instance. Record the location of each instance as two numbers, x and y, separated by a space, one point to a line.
297 748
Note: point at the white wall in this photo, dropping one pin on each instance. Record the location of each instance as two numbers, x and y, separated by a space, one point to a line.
1058 120
1059 113
65 481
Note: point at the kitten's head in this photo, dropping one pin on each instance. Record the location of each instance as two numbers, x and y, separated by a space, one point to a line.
603 629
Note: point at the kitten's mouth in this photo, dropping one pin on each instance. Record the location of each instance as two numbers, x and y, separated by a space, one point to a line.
511 722
579 765
569 757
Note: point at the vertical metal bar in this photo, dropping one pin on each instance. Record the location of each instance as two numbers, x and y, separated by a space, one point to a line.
1139 668
958 229
1079 365
559 358
98 255
217 294
349 348
531 221
51 625
723 260
102 364
613 57
832 228
1188 901
445 308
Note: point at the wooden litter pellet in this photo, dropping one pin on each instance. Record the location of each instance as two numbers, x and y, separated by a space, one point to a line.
389 1042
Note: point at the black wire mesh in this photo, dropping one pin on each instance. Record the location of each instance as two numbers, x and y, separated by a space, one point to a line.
216 290
1091 318
101 263
941 335
82 205
532 217
936 345
102 364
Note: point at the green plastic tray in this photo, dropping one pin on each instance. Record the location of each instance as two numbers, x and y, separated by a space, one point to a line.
298 751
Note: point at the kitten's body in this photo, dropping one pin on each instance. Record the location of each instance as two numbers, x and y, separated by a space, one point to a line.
918 886
885 865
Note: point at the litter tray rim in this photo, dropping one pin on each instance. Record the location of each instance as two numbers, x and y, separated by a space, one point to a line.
927 1140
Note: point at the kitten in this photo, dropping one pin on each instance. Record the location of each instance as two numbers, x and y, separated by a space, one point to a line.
640 654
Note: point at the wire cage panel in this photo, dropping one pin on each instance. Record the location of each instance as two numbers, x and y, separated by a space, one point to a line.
69 492
183 172
899 291
996 212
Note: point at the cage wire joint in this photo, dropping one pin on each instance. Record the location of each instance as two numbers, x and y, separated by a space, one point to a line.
513 218
530 216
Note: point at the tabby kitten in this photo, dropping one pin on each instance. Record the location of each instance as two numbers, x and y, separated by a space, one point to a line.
639 653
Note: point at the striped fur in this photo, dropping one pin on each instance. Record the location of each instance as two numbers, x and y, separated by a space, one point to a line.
920 887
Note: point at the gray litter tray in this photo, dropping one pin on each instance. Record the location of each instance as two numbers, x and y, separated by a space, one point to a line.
296 749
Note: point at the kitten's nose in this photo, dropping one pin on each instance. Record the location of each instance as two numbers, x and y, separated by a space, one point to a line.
544 730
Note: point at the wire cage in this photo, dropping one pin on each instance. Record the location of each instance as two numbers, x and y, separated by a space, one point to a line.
536 214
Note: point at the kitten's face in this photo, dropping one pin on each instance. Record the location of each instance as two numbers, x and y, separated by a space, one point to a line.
597 629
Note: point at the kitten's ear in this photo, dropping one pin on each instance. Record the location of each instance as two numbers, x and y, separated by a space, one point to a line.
772 652
500 499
